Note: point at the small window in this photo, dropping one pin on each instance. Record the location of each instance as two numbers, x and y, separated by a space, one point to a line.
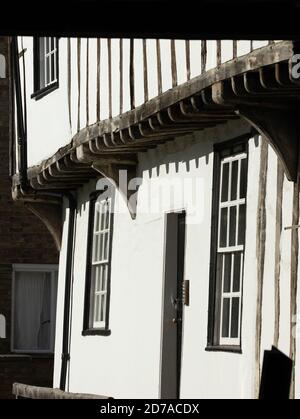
45 65
228 245
99 263
34 308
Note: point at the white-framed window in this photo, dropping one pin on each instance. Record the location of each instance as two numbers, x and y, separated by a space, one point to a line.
34 294
99 262
229 225
231 242
45 63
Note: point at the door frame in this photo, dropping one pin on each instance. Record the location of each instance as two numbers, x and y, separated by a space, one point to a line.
172 338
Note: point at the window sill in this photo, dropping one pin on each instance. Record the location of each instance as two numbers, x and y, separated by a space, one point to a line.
231 349
39 94
96 332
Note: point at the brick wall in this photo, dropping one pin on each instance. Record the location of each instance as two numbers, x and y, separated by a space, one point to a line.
26 370
23 239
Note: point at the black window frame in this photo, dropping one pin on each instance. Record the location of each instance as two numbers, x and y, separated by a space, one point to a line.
213 332
87 329
39 92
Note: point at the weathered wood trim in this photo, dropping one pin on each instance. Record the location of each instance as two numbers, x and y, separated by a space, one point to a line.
188 59
109 78
234 49
219 53
69 72
145 64
78 81
25 391
159 72
131 74
278 232
260 255
203 56
121 65
173 63
98 78
87 80
294 281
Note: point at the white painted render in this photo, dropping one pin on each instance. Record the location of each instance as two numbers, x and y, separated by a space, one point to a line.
127 363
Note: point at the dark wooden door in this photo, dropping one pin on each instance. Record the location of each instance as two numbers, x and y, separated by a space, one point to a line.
172 306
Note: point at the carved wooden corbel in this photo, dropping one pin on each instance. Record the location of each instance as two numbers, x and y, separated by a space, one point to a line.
122 174
47 208
281 129
51 216
120 169
278 122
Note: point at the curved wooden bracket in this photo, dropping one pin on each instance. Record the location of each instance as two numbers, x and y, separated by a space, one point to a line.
277 120
123 175
281 129
48 208
51 216
121 170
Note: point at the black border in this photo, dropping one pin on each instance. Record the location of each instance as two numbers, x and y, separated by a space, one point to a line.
38 92
212 329
158 18
87 330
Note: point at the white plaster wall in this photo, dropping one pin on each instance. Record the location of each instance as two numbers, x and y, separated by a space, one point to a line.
126 364
285 268
268 311
47 118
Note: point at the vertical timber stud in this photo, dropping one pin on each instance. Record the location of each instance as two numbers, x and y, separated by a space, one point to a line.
121 75
98 78
294 280
260 254
159 74
234 47
109 77
203 56
78 80
278 232
219 53
145 64
87 81
69 81
131 74
173 63
188 59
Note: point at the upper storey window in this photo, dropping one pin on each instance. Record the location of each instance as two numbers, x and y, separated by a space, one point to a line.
228 244
45 66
